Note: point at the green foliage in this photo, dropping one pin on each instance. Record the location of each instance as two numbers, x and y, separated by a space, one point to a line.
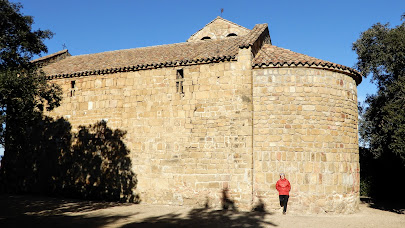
23 97
39 154
381 53
365 188
379 176
367 174
18 43
32 160
24 94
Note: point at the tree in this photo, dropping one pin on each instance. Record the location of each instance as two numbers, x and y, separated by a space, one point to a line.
24 92
20 84
18 43
381 53
39 155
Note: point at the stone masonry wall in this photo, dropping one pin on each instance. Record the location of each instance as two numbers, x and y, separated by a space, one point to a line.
218 29
185 147
305 125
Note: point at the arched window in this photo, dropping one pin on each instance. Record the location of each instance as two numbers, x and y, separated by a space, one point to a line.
206 38
231 34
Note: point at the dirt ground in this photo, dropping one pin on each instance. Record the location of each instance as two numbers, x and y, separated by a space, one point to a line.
36 211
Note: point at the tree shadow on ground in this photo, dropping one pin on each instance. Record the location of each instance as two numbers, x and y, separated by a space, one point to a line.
385 205
380 182
205 217
35 211
229 216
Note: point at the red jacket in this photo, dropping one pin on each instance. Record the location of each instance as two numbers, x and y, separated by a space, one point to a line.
283 187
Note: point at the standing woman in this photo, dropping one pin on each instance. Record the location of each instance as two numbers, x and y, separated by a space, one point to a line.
283 187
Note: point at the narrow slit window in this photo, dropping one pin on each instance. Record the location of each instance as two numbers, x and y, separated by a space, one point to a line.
179 81
72 88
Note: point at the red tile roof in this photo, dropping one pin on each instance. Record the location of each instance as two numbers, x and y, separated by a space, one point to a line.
273 56
188 53
253 35
147 57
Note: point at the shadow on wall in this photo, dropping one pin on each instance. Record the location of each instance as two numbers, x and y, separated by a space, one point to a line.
98 166
226 202
49 159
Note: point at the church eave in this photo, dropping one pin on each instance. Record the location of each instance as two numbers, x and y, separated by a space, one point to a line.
148 66
324 66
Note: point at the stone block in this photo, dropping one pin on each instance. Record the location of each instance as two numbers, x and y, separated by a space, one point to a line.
308 167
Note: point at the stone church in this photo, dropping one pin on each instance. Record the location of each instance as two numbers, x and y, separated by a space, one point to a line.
224 110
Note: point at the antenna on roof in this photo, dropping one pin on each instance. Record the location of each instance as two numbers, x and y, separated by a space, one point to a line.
64 46
222 10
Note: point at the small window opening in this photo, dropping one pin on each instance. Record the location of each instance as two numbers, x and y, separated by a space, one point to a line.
206 38
231 34
72 88
179 81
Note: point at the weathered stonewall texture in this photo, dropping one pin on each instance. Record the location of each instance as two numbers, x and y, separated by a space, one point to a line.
218 29
305 124
185 147
231 112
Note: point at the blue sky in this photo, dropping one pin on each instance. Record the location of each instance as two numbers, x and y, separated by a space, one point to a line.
322 29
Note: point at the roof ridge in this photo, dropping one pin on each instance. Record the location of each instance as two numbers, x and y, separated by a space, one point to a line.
128 49
254 34
51 55
152 47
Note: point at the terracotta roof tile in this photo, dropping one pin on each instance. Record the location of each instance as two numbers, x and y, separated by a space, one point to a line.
146 57
253 35
273 56
187 53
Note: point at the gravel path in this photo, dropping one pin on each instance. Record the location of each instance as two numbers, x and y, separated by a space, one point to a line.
35 211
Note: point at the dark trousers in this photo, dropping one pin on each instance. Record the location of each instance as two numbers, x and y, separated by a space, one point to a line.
284 201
